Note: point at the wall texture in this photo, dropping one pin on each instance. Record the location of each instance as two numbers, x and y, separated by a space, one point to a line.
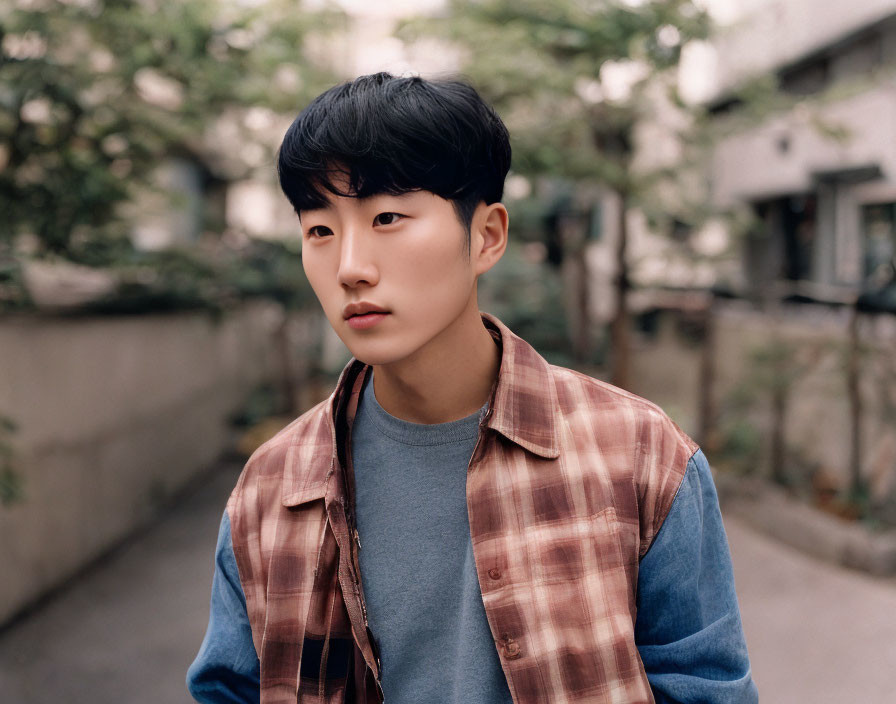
114 415
812 344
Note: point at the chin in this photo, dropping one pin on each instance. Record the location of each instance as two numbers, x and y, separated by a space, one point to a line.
375 360
371 354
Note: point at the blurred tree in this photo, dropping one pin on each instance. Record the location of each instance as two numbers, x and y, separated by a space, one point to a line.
94 94
11 485
529 300
572 79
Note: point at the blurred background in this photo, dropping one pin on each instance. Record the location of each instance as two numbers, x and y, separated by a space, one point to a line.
703 211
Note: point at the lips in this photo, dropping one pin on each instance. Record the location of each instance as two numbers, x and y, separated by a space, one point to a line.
362 308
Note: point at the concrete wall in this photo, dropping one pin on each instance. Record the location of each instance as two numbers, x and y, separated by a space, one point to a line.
666 369
817 423
114 415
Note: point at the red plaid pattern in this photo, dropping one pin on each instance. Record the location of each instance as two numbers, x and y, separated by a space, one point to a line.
568 485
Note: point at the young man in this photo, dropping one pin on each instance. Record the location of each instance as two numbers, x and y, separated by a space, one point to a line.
460 521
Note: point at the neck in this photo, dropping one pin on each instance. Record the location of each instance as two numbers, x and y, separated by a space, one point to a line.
449 380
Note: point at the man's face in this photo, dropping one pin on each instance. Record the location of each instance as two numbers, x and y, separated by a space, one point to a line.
402 255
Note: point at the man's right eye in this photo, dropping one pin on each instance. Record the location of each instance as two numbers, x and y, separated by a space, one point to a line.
319 231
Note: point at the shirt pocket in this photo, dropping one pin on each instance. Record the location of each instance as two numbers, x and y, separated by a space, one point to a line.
576 547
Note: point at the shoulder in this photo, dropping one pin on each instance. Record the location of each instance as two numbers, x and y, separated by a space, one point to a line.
261 517
266 468
617 416
632 439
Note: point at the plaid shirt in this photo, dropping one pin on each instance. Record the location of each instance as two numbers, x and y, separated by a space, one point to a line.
568 485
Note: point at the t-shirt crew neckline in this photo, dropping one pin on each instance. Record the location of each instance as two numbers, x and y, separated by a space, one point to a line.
409 433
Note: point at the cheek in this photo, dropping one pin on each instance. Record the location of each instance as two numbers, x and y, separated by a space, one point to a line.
435 262
438 284
311 275
319 280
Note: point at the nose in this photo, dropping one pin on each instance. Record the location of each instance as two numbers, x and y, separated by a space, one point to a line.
356 263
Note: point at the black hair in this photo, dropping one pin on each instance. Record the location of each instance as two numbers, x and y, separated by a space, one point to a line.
386 134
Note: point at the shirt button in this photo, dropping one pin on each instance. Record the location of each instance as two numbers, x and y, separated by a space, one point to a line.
512 650
494 573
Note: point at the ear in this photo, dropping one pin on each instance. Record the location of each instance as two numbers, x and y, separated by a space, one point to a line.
488 236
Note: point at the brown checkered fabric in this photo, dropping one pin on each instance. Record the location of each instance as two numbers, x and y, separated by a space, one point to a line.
568 485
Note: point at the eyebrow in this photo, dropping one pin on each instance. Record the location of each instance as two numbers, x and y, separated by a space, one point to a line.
361 199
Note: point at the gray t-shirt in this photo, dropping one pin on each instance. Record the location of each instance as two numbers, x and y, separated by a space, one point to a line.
423 599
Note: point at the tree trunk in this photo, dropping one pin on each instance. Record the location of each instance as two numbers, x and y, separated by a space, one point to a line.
779 421
582 344
620 347
855 404
287 373
708 413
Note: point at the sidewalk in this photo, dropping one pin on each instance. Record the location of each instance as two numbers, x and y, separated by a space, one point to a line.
816 632
127 632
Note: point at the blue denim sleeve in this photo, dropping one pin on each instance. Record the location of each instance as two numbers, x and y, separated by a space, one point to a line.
688 629
226 670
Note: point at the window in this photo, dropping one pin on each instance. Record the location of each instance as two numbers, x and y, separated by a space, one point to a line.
879 234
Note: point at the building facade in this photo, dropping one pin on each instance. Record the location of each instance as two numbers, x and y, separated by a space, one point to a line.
818 168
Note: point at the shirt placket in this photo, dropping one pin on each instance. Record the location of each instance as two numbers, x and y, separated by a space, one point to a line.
350 582
341 514
507 645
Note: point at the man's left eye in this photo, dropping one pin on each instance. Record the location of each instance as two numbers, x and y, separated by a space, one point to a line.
387 218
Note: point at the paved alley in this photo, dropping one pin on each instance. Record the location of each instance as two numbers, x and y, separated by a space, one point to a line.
816 632
126 632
